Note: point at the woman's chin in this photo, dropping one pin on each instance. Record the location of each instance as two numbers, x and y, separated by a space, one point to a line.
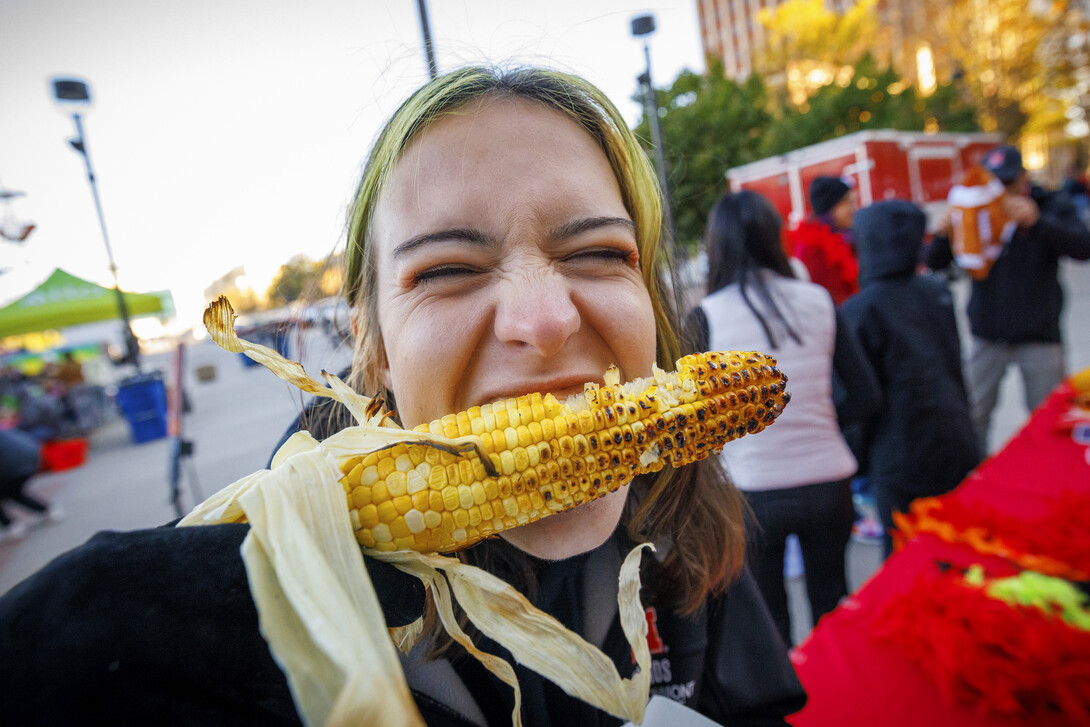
570 533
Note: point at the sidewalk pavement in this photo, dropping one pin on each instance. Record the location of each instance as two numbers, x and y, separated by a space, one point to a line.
238 417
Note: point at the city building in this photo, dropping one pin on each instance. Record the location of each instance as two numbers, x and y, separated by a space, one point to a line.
731 31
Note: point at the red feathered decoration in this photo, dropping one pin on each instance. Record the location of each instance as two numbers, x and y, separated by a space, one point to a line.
1056 544
999 660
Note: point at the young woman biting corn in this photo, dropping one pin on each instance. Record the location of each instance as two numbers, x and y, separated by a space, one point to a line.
504 242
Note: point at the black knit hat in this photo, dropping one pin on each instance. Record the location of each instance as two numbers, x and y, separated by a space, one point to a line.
826 192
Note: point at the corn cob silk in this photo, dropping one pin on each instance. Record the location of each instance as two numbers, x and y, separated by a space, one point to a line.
443 486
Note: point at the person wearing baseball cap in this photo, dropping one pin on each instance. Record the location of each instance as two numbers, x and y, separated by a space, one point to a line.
823 243
1005 162
1014 312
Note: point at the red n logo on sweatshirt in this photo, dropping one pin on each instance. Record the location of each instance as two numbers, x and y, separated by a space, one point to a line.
654 641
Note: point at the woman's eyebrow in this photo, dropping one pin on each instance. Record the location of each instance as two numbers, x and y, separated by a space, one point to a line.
476 237
577 227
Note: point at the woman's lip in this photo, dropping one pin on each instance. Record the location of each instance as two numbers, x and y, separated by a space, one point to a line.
560 388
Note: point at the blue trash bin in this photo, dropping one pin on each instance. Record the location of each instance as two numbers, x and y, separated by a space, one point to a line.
142 400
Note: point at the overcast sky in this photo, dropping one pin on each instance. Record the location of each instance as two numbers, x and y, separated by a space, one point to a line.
230 132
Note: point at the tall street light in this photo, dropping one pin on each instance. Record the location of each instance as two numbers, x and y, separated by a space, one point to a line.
73 94
642 27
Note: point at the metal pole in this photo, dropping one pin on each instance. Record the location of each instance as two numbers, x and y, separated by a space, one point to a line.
429 50
652 104
132 348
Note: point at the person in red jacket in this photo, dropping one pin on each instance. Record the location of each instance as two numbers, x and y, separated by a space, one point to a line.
823 242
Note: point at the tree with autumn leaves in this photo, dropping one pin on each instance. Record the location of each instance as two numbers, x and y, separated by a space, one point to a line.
821 80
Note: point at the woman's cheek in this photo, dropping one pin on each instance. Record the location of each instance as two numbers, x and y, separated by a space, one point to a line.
624 318
428 351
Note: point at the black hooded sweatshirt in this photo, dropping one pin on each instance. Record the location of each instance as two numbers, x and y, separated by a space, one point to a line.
922 441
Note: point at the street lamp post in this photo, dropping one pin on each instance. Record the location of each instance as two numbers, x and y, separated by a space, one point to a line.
425 30
642 27
73 93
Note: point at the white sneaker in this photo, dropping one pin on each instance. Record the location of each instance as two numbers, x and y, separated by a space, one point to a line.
16 531
55 514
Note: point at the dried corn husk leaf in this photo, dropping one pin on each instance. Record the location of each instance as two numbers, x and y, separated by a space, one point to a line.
317 607
539 641
219 320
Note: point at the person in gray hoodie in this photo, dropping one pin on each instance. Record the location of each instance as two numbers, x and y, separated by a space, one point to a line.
921 442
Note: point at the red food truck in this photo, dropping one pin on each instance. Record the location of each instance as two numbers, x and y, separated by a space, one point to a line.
883 164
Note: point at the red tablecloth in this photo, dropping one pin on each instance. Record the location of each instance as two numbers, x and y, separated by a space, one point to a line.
851 677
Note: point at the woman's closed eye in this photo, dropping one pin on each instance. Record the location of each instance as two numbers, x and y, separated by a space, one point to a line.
443 273
605 255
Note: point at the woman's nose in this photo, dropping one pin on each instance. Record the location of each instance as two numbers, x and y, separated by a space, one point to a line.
537 311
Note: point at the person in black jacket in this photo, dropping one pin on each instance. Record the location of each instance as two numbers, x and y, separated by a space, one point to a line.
1014 313
921 442
503 241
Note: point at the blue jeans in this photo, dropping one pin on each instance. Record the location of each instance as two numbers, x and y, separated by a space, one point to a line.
821 515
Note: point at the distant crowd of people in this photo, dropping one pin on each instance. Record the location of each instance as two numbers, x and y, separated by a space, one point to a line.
849 302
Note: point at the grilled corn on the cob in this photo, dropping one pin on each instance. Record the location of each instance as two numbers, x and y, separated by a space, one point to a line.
452 482
538 456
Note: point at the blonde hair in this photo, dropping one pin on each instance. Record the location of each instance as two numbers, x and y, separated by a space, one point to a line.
703 521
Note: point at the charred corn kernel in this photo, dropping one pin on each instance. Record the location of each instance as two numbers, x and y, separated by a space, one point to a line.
526 457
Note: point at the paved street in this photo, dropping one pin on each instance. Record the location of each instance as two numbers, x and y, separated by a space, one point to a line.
238 416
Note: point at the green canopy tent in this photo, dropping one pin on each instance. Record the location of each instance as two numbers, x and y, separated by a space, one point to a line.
64 300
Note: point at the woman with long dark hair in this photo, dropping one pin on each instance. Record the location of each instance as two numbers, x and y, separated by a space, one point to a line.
797 476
